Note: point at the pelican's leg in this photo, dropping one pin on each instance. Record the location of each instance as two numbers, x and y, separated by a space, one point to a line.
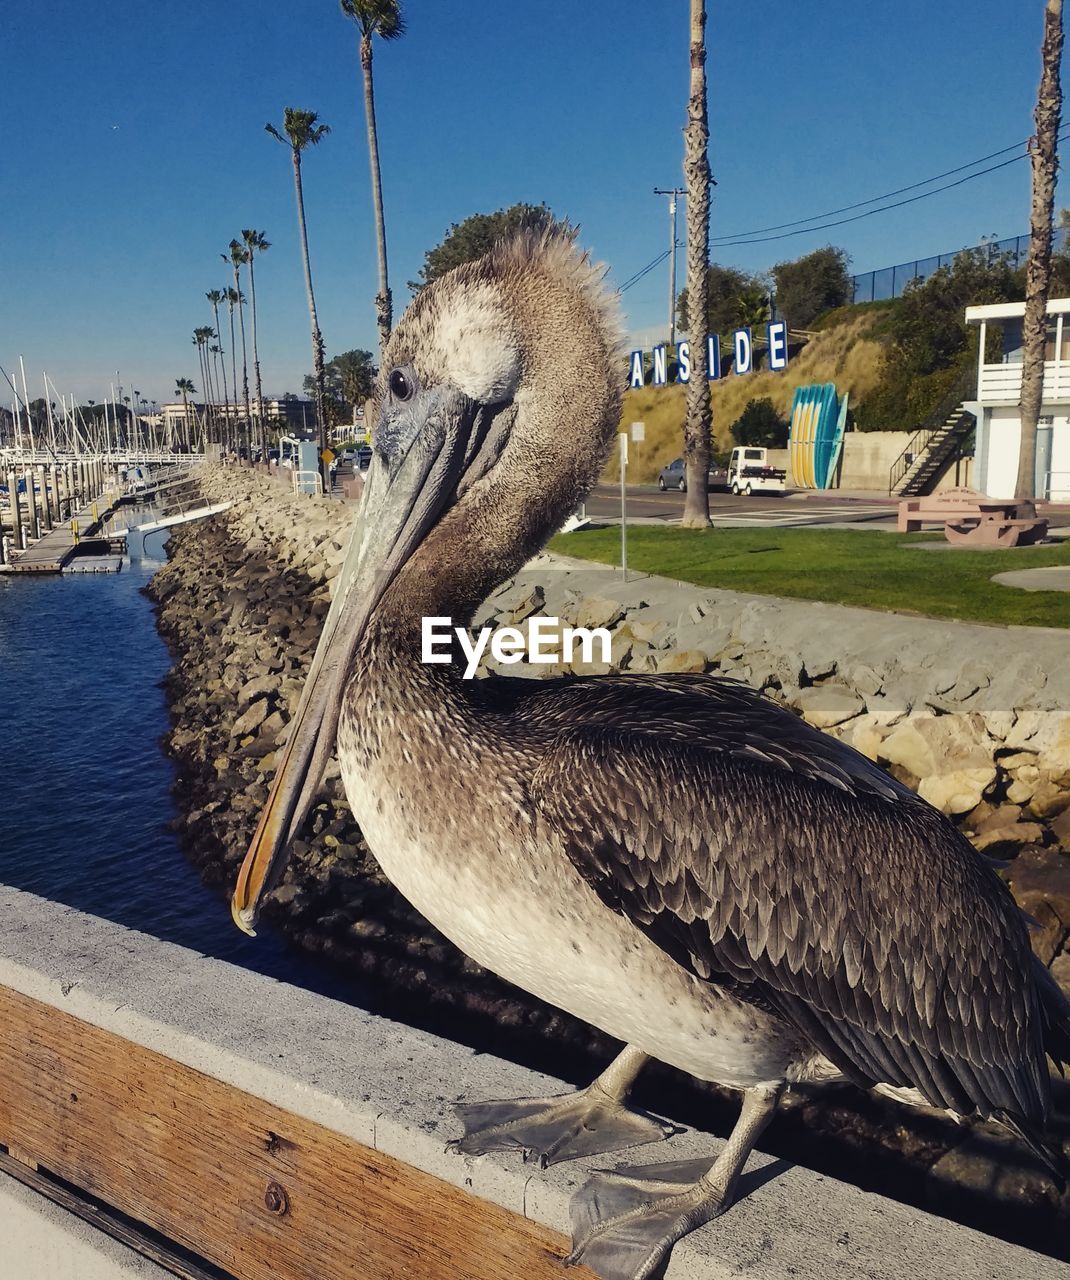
567 1127
626 1220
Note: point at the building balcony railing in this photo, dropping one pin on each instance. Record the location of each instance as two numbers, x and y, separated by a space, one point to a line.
1002 383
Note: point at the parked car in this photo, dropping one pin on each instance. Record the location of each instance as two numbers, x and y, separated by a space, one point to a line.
674 476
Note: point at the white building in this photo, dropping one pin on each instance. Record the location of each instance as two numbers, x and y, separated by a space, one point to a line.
999 387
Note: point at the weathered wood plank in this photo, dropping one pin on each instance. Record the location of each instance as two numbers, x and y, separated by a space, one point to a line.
244 1184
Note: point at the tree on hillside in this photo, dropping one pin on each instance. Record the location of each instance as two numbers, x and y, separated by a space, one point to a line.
725 286
255 242
928 329
809 286
380 18
697 177
303 131
1044 150
760 424
752 307
931 350
471 239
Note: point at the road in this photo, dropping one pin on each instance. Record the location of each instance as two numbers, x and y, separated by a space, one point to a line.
645 501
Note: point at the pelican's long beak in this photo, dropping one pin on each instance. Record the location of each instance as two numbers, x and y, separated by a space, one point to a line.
403 497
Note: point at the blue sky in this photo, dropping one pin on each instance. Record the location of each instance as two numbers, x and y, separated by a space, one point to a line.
136 150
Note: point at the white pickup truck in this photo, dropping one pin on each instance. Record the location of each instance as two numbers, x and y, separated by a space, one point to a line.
749 472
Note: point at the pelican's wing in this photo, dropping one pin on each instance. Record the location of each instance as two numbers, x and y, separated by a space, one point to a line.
765 855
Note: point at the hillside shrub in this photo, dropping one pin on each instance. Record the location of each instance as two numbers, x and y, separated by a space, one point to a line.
812 285
760 424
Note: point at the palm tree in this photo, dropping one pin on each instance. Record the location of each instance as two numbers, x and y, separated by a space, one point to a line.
234 299
200 341
185 388
380 18
255 242
237 257
302 131
216 351
1043 147
215 297
697 173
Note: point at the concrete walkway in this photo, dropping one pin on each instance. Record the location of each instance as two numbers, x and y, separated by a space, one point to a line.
1053 577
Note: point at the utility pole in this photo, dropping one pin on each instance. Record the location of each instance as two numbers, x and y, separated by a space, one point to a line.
672 193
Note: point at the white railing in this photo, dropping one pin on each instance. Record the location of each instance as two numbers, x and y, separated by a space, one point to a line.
310 482
1057 486
1002 383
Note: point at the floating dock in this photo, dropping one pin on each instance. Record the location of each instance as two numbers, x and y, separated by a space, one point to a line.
57 549
94 564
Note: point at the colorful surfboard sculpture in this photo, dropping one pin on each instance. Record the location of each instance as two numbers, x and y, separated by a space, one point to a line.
818 420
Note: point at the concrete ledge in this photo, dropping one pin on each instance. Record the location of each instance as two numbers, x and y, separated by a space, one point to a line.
389 1087
44 1242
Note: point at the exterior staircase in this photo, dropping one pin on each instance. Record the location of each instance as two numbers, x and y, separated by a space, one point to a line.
932 448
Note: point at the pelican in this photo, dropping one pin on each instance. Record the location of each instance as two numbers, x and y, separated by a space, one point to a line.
675 859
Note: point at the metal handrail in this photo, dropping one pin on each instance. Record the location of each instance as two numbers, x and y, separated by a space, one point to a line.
919 441
310 476
1047 482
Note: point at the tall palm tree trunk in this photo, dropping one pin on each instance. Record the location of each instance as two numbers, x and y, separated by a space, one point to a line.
222 415
1038 264
317 337
185 417
384 307
234 373
213 378
207 387
244 362
256 358
223 367
208 396
697 174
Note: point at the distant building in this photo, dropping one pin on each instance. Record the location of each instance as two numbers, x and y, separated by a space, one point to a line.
294 415
999 389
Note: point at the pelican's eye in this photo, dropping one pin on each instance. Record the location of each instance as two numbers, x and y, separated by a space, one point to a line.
402 385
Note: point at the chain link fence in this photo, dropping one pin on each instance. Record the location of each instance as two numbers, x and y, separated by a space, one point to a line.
889 282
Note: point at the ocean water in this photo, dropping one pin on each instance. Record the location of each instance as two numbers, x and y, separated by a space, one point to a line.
85 795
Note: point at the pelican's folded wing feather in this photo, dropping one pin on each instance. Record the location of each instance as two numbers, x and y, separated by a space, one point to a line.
764 855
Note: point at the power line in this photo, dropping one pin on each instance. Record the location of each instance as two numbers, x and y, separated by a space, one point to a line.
898 204
758 237
847 208
656 262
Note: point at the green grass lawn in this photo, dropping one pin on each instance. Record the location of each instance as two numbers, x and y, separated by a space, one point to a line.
843 566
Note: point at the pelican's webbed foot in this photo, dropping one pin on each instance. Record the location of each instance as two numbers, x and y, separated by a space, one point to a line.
563 1128
552 1129
625 1221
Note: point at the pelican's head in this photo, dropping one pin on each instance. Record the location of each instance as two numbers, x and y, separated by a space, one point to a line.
499 396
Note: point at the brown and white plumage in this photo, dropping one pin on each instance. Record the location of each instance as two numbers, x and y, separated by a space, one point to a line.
771 858
675 859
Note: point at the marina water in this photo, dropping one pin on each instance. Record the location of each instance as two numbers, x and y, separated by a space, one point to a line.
85 786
